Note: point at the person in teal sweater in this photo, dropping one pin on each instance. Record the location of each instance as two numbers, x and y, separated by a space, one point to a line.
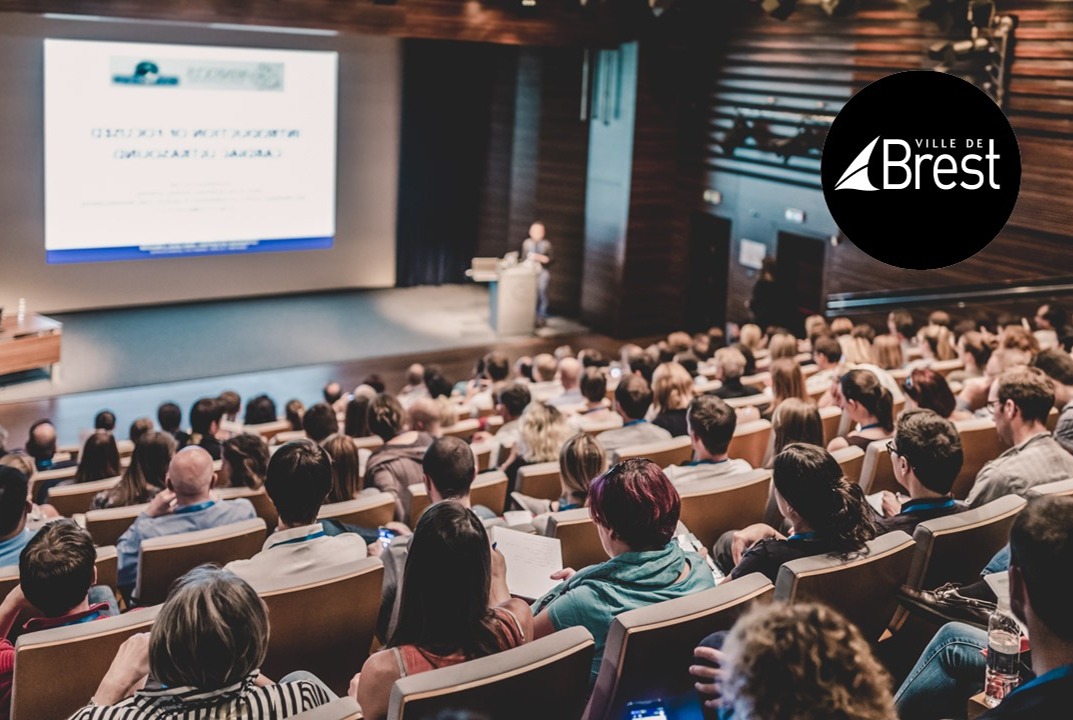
635 508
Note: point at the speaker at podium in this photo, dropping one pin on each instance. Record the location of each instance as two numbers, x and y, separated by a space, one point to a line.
512 292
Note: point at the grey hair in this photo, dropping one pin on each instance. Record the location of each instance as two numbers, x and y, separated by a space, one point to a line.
212 631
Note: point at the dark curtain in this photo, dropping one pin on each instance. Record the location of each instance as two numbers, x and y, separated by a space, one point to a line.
448 90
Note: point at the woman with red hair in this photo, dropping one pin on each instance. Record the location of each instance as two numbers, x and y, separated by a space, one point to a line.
635 508
927 389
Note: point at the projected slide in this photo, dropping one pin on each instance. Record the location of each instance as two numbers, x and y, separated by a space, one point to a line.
165 150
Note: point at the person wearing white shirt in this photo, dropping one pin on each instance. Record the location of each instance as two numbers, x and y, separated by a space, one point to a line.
569 378
711 423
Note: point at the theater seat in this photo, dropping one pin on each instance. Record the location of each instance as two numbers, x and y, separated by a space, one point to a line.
369 442
489 489
289 436
649 650
107 572
325 625
979 444
831 417
664 453
268 430
463 429
877 474
1061 487
546 678
105 526
540 480
711 507
750 442
58 670
482 454
367 511
863 588
344 708
163 559
71 499
851 460
262 504
578 536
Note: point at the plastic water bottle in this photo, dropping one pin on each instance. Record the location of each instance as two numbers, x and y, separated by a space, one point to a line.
1003 654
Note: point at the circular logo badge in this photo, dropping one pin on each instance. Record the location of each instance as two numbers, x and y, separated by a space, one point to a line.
921 170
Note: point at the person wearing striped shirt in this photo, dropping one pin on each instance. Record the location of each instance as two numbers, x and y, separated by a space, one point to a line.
201 661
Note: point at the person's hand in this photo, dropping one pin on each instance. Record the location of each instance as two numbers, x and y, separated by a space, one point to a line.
162 504
399 528
891 504
352 691
376 548
499 567
128 671
564 574
747 537
709 679
481 436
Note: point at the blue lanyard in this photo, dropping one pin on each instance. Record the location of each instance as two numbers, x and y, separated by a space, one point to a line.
693 463
634 422
292 541
915 506
194 508
801 536
869 427
1057 674
88 618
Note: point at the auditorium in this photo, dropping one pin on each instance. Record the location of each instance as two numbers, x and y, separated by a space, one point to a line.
536 359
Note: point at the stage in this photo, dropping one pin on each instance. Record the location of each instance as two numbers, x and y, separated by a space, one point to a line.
130 360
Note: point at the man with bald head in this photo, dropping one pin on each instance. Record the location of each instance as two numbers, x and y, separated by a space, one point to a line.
545 386
41 446
185 504
570 378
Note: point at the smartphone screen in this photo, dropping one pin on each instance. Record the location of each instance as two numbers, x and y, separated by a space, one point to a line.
645 709
386 536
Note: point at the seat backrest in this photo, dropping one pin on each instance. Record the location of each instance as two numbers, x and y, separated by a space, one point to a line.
877 474
979 444
851 460
489 489
548 677
343 708
749 401
105 526
1052 419
750 442
831 417
945 367
163 559
482 454
578 537
711 507
540 480
262 504
1061 487
369 442
368 511
759 380
326 624
45 475
954 548
286 436
664 453
462 429
78 498
864 587
268 430
649 650
83 651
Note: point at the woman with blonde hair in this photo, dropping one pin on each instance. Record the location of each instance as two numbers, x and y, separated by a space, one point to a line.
581 459
672 391
856 348
782 345
803 661
888 353
751 336
936 342
787 381
542 431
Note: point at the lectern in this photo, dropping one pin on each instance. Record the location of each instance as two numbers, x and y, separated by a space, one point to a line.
512 293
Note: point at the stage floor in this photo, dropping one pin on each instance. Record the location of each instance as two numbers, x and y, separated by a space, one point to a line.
130 360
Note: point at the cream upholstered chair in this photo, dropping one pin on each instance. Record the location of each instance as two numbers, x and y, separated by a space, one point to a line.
863 587
851 460
831 417
489 489
464 429
163 559
649 650
344 708
664 453
369 511
548 677
326 624
262 504
1061 487
268 430
78 498
82 652
979 444
578 537
750 442
711 507
105 526
540 480
877 474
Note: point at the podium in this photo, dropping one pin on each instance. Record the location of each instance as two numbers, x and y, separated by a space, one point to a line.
512 294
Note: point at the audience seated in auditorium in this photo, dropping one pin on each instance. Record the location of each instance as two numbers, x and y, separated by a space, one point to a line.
672 391
260 409
636 510
245 462
170 418
729 368
542 431
396 465
299 477
346 468
595 411
319 422
144 477
415 385
15 505
570 379
926 455
632 400
41 446
580 460
870 407
205 418
951 668
57 587
185 504
545 386
802 661
293 411
637 361
1020 400
475 618
710 424
1057 365
140 427
827 514
202 657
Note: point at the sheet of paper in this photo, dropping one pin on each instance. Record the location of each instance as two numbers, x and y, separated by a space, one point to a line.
513 518
531 559
999 583
876 501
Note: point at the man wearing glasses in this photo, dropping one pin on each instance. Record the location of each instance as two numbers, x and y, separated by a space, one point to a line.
1019 400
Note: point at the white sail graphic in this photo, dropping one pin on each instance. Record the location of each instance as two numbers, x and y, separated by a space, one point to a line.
856 175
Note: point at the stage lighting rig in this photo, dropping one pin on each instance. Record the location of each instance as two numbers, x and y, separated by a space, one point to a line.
984 57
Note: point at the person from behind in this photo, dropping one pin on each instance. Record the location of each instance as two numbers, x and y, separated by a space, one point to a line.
477 617
186 504
803 661
927 456
170 418
428 417
545 386
396 465
729 368
974 350
632 400
415 385
144 477
15 506
320 422
205 417
293 411
672 391
231 403
511 401
869 405
356 416
98 460
542 432
580 460
826 513
596 411
346 468
140 427
41 446
710 423
787 382
570 370
260 409
1020 400
203 654
104 420
927 389
299 478
245 462
1058 367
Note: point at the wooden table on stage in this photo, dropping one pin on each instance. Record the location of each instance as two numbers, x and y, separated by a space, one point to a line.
30 344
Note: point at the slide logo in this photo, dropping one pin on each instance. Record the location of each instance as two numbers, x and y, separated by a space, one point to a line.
146 72
921 170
